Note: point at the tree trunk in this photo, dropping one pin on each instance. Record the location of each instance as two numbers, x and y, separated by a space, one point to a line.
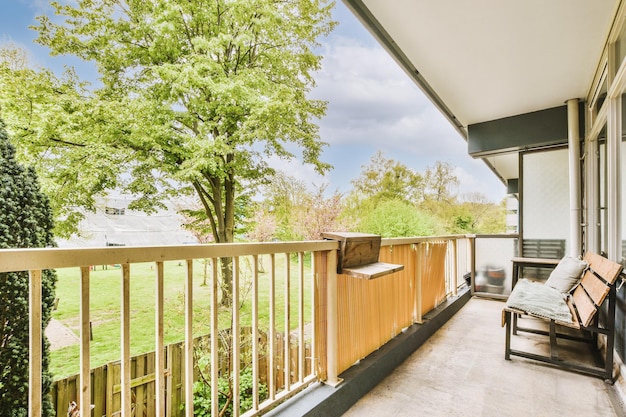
226 265
228 234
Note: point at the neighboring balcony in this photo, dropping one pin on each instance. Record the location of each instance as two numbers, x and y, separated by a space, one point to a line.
299 328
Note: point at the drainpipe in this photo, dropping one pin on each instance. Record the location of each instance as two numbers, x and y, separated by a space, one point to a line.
574 177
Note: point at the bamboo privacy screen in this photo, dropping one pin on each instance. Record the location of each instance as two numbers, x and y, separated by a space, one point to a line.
433 275
372 312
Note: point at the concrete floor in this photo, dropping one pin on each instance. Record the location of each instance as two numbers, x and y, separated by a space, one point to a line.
461 371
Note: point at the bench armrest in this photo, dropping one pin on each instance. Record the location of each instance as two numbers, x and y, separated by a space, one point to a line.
539 262
520 262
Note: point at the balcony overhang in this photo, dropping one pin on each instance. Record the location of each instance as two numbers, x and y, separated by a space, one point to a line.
488 60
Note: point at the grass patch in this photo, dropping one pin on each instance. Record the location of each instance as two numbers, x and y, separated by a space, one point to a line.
105 301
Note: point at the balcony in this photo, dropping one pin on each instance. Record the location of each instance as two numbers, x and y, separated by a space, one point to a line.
338 335
461 371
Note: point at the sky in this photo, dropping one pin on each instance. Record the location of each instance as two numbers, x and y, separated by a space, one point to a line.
372 106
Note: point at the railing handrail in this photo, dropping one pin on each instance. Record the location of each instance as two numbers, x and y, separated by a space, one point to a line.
497 236
24 259
394 241
421 239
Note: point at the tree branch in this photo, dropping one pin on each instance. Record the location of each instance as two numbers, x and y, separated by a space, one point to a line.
182 16
207 208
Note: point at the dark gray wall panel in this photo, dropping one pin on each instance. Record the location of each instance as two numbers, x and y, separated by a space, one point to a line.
525 131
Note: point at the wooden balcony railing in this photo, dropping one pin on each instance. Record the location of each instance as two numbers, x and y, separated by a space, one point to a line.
342 318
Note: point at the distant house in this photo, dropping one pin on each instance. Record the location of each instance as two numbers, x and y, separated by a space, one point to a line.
114 224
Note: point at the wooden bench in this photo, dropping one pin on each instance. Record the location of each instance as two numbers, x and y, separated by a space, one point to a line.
583 303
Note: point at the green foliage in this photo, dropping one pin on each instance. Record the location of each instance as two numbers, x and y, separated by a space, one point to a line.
463 222
297 213
440 183
386 179
52 122
398 219
194 96
283 196
418 203
202 395
25 221
474 214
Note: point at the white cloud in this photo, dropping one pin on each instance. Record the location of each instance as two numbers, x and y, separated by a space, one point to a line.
296 169
371 100
373 105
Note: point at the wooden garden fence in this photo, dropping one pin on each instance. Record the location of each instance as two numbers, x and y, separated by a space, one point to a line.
106 383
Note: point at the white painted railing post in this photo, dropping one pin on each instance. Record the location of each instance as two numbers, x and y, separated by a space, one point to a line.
189 340
287 324
214 340
35 350
301 317
332 320
271 336
159 344
125 341
255 332
85 341
236 337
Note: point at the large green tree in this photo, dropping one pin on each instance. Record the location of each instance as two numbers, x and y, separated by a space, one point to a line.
382 180
25 222
194 94
441 184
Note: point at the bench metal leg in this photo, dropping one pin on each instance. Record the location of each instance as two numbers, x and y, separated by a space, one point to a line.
610 337
554 349
507 344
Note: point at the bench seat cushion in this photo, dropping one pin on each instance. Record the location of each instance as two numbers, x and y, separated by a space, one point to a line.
539 300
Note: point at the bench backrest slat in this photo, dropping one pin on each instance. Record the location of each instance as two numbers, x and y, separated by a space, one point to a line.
608 270
586 308
595 287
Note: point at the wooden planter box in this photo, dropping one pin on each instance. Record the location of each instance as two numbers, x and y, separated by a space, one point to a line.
358 255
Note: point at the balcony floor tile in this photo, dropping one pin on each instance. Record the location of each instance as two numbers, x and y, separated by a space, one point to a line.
461 371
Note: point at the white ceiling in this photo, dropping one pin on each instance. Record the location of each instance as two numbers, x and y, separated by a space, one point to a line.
488 59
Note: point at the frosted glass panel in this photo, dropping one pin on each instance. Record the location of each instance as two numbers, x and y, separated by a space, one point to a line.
546 196
493 264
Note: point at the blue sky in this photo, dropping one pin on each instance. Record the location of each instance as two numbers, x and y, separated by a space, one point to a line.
372 105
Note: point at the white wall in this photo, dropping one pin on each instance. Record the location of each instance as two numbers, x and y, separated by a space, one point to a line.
546 195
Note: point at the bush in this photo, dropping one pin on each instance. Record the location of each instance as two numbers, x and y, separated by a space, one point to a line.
395 218
202 395
25 222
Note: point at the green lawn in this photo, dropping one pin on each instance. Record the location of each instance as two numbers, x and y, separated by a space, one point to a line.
105 307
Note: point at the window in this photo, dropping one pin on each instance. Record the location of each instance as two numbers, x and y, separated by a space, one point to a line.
115 211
